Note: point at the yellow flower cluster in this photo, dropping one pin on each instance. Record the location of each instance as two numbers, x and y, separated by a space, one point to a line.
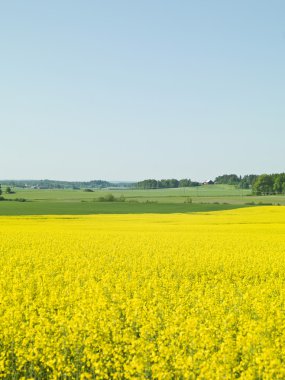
198 296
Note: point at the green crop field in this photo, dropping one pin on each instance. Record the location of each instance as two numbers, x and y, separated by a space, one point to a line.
81 208
180 200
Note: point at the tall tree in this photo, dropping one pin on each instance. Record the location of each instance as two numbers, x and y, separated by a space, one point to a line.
279 183
263 185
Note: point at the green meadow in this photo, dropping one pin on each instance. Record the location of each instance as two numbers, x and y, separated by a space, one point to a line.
179 200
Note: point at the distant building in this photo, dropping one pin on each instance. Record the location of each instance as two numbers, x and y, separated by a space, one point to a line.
209 182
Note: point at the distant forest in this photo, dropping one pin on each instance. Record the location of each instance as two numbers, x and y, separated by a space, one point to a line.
264 184
245 182
52 184
165 183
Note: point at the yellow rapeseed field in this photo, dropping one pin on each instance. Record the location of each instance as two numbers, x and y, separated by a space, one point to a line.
143 296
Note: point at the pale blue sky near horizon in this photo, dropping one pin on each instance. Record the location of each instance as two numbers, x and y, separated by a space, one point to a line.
127 90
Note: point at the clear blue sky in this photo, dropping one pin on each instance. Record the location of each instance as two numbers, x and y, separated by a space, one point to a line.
126 90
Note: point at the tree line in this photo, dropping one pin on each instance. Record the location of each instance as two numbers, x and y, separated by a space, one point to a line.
53 184
267 184
264 184
244 182
165 183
